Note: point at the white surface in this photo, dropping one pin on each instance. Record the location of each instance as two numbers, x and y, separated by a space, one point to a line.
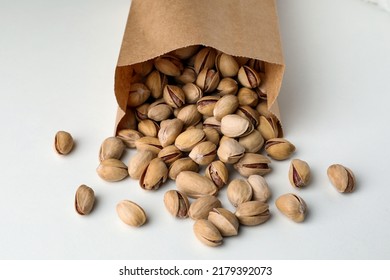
57 62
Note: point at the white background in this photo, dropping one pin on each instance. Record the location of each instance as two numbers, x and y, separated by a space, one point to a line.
57 62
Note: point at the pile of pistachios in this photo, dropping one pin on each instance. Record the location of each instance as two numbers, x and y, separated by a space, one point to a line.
191 113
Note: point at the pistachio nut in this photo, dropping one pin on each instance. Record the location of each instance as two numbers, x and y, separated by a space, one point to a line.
292 206
156 81
182 164
260 189
169 65
227 86
148 143
188 139
188 76
261 93
226 65
251 164
129 136
248 77
212 122
112 170
176 203
143 68
207 80
186 52
205 58
139 162
131 213
63 142
207 233
189 115
299 173
112 147
268 127
218 173
141 111
154 175
169 154
230 151
148 128
84 200
279 148
212 135
201 207
247 96
253 142
206 105
203 153
169 130
192 93
195 185
239 191
257 65
174 96
226 105
249 113
138 94
128 121
225 221
159 111
241 60
235 126
252 213
342 178
262 108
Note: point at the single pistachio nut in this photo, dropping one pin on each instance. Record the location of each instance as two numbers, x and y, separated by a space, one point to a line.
192 93
84 200
268 127
292 206
176 203
218 173
207 80
205 58
112 170
189 115
173 96
154 175
128 121
186 52
212 122
226 105
247 97
169 65
188 139
230 151
169 154
138 94
260 189
156 82
148 143
143 68
131 213
212 135
139 162
187 76
262 93
159 111
253 142
169 130
195 185
207 233
141 112
342 178
203 153
241 60
227 86
201 207
182 164
148 128
226 65
129 136
63 142
248 77
112 147
251 164
262 108
249 113
239 191
235 126
279 148
252 213
225 221
206 104
299 173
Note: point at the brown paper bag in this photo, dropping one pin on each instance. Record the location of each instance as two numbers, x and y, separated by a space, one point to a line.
247 28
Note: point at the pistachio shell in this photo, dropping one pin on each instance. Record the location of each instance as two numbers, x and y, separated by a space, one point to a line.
247 97
182 164
252 142
260 189
188 139
226 65
187 76
84 200
212 135
186 52
138 94
249 113
201 207
226 105
195 185
239 191
225 221
235 126
205 58
141 111
207 233
211 122
206 104
248 77
173 96
139 162
203 153
218 173
169 130
169 154
169 65
112 147
342 178
268 127
129 136
155 174
156 82
192 93
230 151
148 128
63 142
252 213
189 115
148 143
131 213
227 86
279 148
292 206
176 203
143 68
159 110
299 173
112 170
207 80
251 164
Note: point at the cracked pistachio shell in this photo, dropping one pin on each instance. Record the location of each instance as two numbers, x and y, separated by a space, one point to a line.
342 178
189 115
206 104
226 105
205 59
159 111
229 150
235 126
201 207
247 97
226 65
63 142
260 189
176 203
192 93
154 175
211 122
253 142
138 94
84 200
139 162
112 147
141 111
269 127
148 128
169 130
239 191
253 164
156 82
112 170
187 76
182 164
218 173
169 65
248 77
148 143
212 135
249 113
257 65
204 153
129 136
207 80
207 233
131 213
227 86
262 93
143 68
195 185
225 221
292 206
186 52
188 139
169 154
128 121
174 96
262 108
299 173
279 148
252 213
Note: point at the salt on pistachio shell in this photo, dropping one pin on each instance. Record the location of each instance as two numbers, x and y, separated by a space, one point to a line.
112 170
189 115
205 58
218 173
112 147
229 150
342 178
212 123
138 94
247 97
143 68
206 104
63 142
226 105
292 206
252 142
169 65
212 135
129 136
148 143
248 77
141 111
84 200
249 113
226 65
299 173
269 127
251 164
192 93
225 221
159 110
239 191
169 130
176 203
227 86
154 175
187 76
182 164
195 185
128 121
201 207
169 154
139 162
148 128
233 125
279 148
186 52
188 139
156 82
207 233
173 96
260 189
252 213
131 213
203 153
207 80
